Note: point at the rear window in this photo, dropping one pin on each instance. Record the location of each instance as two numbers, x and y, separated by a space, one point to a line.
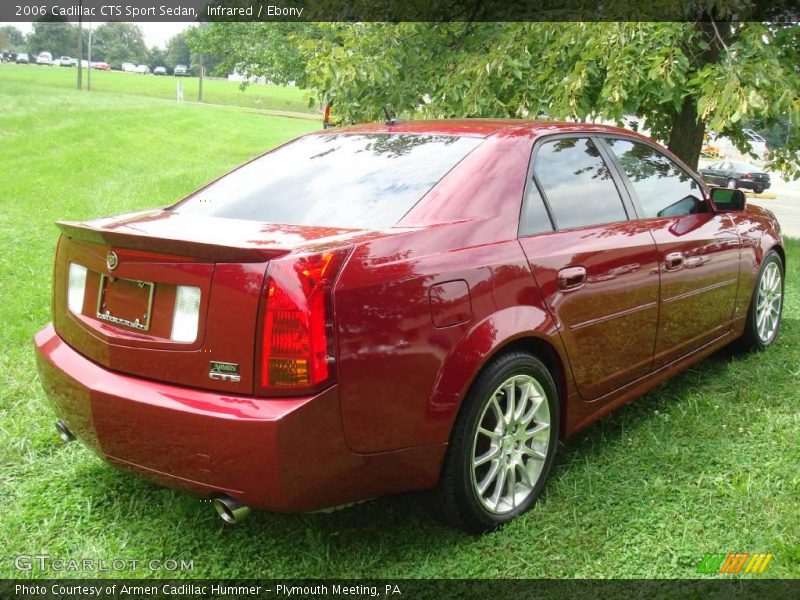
354 181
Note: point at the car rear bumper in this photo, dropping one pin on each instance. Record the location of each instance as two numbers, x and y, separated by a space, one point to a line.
273 454
752 185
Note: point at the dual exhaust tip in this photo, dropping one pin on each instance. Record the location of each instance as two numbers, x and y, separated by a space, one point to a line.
229 509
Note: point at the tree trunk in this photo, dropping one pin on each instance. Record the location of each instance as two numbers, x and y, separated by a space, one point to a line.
686 136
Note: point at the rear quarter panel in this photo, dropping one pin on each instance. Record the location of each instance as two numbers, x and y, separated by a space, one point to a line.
418 312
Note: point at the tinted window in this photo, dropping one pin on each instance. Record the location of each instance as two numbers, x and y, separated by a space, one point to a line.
340 180
663 188
577 184
534 218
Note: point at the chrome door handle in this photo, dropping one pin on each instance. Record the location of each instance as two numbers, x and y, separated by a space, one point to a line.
571 278
673 261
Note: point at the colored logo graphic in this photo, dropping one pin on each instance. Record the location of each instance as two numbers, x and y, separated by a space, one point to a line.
735 562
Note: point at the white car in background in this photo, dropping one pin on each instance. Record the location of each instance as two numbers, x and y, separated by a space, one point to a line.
143 70
65 61
128 67
44 58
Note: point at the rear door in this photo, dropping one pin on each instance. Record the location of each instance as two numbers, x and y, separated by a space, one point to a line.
698 250
597 270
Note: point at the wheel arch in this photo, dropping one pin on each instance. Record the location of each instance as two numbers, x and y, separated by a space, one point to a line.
456 378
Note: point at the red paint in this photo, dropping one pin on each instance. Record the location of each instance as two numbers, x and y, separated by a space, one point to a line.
411 315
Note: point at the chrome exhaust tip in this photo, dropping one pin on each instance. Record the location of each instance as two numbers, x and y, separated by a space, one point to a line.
229 510
63 431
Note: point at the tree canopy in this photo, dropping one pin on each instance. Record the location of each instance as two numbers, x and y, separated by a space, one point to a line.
681 79
115 43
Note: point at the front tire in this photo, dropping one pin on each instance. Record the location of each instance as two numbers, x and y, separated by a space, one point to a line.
502 446
766 305
733 184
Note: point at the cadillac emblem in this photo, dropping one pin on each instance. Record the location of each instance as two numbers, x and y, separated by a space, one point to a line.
112 260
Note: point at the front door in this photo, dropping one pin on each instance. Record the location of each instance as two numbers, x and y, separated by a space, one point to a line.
698 250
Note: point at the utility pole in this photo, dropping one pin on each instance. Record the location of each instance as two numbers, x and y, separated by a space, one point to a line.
200 86
80 44
89 60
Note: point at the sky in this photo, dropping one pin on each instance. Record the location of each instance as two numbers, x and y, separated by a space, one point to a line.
155 34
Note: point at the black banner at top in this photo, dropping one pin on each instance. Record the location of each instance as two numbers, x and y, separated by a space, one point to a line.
137 11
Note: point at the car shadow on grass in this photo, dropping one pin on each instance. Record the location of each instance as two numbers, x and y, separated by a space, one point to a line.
391 536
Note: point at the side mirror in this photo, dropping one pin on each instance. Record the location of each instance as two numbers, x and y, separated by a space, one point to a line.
724 199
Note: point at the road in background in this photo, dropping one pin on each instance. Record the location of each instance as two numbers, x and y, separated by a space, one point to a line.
785 205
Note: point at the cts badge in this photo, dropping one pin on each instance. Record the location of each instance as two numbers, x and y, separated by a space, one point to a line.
224 371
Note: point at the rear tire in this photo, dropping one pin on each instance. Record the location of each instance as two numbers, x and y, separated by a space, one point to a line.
758 190
502 446
766 305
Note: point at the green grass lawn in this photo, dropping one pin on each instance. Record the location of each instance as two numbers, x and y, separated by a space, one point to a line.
215 91
709 462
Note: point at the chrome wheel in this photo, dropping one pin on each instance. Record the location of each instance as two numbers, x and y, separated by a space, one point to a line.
768 306
511 444
732 184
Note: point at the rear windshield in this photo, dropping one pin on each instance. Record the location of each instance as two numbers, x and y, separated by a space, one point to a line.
359 181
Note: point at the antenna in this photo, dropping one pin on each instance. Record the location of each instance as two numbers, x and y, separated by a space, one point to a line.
390 118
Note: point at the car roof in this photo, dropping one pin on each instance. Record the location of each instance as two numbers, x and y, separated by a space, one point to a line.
483 128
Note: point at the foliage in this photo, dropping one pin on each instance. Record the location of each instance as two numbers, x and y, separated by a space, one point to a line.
680 78
178 51
269 50
11 38
54 35
156 57
115 43
708 462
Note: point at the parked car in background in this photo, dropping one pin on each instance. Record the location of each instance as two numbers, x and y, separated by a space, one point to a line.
143 70
44 58
159 71
101 66
22 58
73 62
65 61
128 67
180 71
737 175
426 304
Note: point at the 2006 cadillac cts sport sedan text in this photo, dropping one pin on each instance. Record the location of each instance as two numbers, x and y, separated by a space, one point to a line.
398 307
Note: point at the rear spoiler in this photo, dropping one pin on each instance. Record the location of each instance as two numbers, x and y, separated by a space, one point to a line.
202 251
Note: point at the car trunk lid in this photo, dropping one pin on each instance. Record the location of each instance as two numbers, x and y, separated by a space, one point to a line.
132 297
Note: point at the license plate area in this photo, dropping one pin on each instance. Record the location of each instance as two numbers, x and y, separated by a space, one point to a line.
125 302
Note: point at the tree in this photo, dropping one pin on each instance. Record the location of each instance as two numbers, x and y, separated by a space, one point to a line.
269 50
54 35
156 57
115 43
683 79
11 38
178 51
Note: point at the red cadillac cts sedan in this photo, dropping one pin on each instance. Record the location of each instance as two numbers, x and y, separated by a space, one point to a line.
397 307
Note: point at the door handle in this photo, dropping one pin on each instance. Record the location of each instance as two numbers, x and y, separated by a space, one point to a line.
571 278
673 261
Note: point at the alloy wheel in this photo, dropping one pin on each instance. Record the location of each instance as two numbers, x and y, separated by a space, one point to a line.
510 444
768 307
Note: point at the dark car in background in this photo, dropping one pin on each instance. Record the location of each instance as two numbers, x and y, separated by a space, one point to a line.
736 175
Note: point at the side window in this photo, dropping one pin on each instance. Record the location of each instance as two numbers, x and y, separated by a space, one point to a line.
577 184
534 217
663 188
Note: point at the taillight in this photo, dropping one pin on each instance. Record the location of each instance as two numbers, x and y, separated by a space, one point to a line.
746 176
297 346
186 316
